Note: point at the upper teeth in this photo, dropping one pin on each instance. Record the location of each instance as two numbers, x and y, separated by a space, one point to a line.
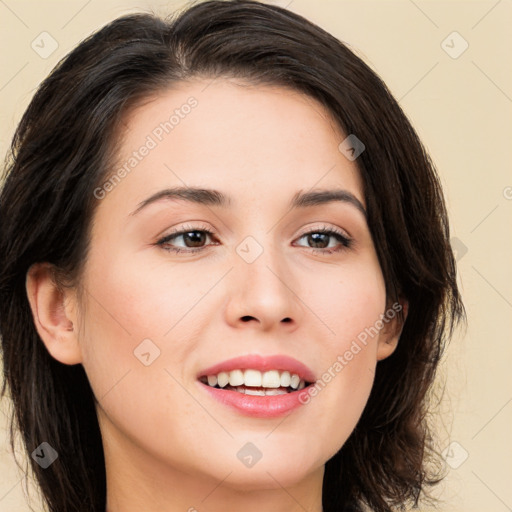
255 378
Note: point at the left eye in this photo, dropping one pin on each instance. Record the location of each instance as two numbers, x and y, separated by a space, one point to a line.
320 237
195 236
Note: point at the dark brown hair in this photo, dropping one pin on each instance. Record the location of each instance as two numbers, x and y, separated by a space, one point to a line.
61 152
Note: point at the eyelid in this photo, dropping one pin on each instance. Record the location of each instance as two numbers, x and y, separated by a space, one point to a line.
325 228
185 228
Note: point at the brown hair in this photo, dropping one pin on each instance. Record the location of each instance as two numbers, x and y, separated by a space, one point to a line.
60 154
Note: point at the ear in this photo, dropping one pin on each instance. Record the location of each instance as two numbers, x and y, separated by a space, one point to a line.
392 328
53 311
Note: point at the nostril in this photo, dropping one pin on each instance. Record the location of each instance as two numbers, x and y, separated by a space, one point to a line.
247 318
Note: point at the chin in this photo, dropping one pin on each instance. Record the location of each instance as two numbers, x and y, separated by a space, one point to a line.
277 471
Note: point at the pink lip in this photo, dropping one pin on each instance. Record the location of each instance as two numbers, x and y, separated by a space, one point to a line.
263 364
259 406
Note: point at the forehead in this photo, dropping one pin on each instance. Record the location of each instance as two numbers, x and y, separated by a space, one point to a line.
232 136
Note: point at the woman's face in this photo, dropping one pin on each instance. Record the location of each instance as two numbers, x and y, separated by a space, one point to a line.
263 285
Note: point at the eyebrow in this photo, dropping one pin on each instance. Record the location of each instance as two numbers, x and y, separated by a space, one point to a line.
211 197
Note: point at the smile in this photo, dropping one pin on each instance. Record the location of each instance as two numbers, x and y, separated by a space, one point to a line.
254 382
255 386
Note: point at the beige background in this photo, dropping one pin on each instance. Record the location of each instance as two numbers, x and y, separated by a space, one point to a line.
461 108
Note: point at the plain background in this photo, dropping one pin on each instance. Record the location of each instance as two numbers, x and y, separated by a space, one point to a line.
460 101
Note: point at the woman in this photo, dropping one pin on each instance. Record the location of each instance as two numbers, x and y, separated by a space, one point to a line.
226 277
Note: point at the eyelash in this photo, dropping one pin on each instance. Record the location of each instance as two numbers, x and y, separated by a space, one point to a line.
346 243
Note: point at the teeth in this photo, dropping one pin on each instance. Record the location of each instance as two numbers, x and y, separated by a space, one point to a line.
243 380
294 381
285 379
271 379
259 392
236 378
252 378
222 379
273 392
255 392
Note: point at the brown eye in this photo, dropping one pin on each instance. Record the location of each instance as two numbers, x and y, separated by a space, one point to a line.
196 238
193 240
320 240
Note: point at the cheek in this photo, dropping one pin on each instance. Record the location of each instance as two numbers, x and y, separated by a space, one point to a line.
349 301
128 357
350 310
141 326
129 302
125 318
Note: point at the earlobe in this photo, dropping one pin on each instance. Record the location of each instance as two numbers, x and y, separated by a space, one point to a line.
392 329
52 311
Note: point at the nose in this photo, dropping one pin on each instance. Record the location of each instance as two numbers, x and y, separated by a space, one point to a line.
263 293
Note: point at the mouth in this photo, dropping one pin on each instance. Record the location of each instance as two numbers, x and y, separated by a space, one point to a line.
256 383
258 375
258 386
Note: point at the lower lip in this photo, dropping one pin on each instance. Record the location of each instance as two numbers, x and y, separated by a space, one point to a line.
258 406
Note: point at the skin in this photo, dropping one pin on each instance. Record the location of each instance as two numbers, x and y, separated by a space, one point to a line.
168 445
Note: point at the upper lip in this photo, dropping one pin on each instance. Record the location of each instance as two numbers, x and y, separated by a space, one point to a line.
263 364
